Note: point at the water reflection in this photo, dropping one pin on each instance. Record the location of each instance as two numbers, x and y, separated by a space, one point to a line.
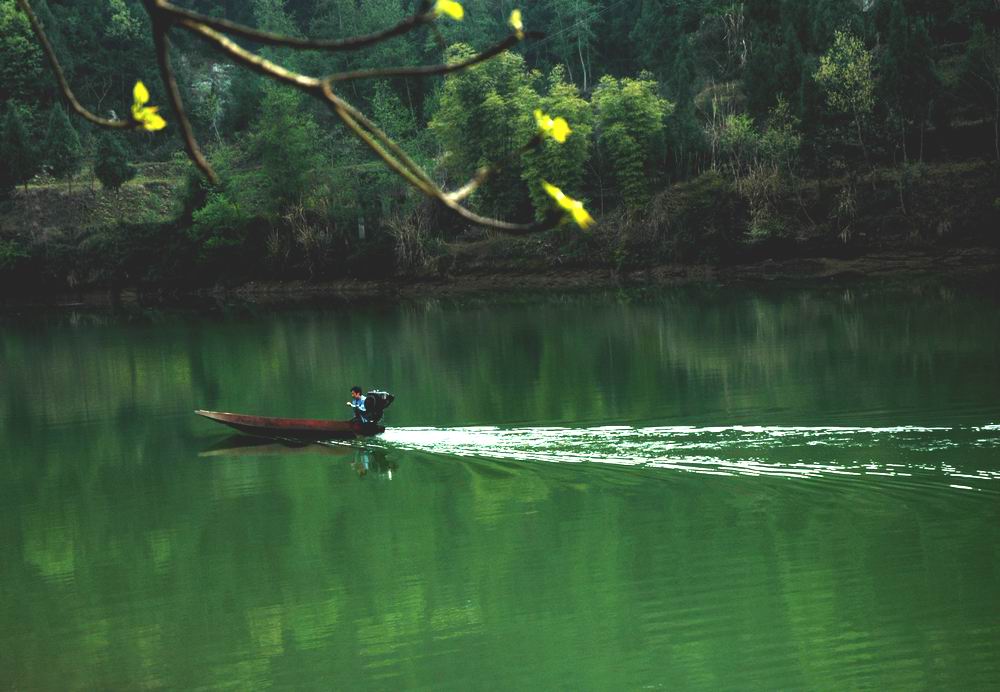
374 461
365 459
714 489
245 445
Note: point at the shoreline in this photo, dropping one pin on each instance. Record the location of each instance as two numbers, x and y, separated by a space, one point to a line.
966 264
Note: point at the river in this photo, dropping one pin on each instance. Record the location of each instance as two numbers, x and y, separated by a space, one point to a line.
771 487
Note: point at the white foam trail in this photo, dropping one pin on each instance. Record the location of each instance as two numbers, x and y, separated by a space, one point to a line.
748 450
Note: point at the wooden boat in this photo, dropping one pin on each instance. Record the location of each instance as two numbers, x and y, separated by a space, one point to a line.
294 428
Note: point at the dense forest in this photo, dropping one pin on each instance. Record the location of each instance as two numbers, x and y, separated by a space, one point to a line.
702 131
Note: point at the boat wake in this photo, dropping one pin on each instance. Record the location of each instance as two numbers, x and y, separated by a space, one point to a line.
742 450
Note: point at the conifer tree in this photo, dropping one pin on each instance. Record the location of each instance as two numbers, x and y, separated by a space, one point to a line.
63 152
981 76
19 162
908 79
112 166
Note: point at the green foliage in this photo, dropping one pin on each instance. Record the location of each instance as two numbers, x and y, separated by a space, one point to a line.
563 164
907 80
63 152
288 144
20 55
846 73
218 228
630 120
782 139
13 254
111 166
391 115
795 78
980 76
687 148
739 142
573 36
123 25
17 154
705 219
773 70
762 163
484 115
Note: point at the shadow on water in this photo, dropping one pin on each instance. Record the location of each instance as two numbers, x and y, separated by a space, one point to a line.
365 460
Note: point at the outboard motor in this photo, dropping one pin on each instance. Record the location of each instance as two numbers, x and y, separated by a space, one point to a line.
376 402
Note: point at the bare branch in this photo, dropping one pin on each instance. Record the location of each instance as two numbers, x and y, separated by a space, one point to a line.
162 44
252 60
423 16
484 172
378 141
164 16
433 70
346 114
50 53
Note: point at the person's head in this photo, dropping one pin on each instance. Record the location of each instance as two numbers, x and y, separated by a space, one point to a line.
355 392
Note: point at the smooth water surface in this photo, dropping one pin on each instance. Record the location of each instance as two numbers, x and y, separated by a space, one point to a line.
770 488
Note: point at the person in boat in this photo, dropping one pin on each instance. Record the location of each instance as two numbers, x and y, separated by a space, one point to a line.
357 402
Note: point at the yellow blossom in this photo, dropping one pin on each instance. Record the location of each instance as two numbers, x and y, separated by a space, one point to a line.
451 8
146 116
558 128
573 206
515 21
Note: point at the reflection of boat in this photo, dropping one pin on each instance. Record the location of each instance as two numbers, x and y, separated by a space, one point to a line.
364 460
294 428
242 445
373 461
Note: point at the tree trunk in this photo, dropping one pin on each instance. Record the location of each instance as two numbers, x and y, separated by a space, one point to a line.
996 121
864 149
902 134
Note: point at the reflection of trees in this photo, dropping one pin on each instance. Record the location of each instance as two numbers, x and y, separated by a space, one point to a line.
125 557
694 353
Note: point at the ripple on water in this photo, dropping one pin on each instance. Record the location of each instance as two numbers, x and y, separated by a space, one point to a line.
908 455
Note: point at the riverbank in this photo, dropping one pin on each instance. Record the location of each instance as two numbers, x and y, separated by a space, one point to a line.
977 266
94 247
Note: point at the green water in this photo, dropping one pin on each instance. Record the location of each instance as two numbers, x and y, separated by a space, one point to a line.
741 488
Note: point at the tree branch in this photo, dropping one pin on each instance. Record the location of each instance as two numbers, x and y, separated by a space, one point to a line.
423 16
67 92
165 15
432 70
162 44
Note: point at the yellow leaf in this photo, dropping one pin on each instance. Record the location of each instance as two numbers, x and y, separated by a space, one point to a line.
140 93
541 119
451 8
147 117
581 216
153 121
515 21
558 129
574 206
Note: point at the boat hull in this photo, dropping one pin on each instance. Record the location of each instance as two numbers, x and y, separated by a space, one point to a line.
294 428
